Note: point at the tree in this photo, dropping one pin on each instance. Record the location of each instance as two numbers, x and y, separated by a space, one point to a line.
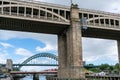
95 69
16 69
104 67
91 64
116 68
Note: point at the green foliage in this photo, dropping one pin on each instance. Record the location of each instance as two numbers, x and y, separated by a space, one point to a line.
16 69
116 66
91 64
106 68
95 70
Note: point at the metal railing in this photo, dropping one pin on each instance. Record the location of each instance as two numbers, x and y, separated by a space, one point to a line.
99 12
87 78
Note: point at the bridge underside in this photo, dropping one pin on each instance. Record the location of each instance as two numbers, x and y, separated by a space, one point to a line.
102 33
53 28
31 26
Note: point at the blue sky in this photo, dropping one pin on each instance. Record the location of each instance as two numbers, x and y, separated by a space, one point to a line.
18 46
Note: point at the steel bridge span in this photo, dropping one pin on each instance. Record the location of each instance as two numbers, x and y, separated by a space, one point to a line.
52 60
29 62
54 19
66 23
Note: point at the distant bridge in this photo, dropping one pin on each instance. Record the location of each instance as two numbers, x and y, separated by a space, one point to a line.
40 72
35 61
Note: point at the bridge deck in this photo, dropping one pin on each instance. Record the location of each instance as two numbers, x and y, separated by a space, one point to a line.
31 26
41 72
55 19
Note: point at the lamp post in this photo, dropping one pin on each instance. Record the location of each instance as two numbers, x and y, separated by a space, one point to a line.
71 2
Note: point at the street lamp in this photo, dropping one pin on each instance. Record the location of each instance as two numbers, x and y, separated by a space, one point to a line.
71 2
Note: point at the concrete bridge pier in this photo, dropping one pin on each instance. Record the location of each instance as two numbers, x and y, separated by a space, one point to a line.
118 43
70 49
9 64
35 76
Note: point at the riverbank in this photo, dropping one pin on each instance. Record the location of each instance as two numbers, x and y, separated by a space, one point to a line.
18 76
7 78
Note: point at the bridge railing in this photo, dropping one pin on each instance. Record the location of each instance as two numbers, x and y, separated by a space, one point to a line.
87 78
100 12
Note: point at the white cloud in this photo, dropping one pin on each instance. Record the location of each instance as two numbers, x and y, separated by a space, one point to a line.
47 48
23 52
48 39
112 52
20 60
4 34
6 45
100 51
114 7
4 53
3 56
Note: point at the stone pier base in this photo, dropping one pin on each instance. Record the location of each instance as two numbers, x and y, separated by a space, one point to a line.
35 76
70 49
71 73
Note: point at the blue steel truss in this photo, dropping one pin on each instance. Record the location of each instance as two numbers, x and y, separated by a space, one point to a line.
48 55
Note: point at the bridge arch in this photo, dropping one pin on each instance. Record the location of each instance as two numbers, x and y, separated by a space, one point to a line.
52 14
49 55
106 21
100 18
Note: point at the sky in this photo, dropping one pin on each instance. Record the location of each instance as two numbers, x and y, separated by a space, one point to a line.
19 46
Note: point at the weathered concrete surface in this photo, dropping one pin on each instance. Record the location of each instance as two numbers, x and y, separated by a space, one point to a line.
118 43
35 76
70 49
9 64
62 51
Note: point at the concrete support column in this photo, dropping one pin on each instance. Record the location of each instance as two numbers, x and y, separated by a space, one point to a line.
109 23
118 43
104 23
9 64
94 20
17 10
39 13
99 21
62 51
2 7
70 49
65 14
10 9
35 76
32 13
25 11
